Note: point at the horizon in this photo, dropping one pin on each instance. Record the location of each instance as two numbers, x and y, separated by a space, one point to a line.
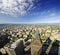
30 23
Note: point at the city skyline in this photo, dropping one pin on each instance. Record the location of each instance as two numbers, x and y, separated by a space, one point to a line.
29 11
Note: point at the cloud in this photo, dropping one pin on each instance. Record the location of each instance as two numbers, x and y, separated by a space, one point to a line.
53 14
49 13
16 7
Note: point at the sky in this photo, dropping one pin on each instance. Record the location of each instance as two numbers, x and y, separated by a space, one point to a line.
29 11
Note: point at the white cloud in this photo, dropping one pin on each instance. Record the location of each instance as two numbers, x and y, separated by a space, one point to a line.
53 14
14 7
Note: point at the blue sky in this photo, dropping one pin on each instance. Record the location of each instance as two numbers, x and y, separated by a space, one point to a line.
29 11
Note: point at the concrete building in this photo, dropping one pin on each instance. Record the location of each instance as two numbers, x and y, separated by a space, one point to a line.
35 47
17 48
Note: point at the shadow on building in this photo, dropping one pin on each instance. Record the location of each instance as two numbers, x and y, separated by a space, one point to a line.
45 46
55 48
